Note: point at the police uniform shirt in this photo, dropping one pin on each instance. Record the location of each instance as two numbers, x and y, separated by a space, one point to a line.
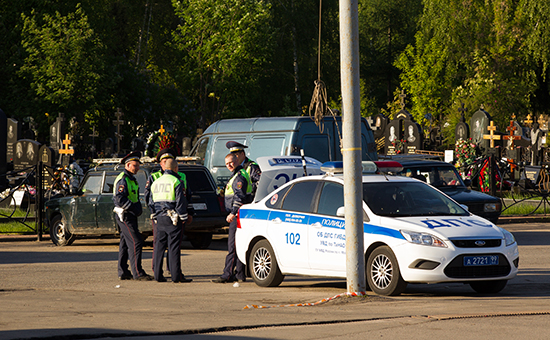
236 191
149 198
253 170
179 204
123 192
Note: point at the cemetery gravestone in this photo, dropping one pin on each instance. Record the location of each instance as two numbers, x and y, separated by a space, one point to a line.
13 135
47 157
393 137
413 136
379 130
26 154
479 123
462 130
3 147
57 131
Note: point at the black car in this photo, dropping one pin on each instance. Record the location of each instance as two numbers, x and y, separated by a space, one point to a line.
90 212
446 178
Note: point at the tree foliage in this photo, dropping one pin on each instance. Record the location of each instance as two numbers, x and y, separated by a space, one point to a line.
469 52
225 46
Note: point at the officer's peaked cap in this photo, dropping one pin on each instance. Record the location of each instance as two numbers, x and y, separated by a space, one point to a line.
235 146
166 153
132 156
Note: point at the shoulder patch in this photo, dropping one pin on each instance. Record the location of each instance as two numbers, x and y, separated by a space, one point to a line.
121 188
239 185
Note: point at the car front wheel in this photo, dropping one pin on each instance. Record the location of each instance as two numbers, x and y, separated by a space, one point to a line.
383 275
263 265
488 287
59 233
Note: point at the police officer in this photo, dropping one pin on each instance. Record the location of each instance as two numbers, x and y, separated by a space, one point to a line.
248 165
127 209
170 212
237 193
162 157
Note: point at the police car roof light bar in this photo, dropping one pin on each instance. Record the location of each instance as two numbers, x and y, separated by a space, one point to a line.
332 168
369 167
389 166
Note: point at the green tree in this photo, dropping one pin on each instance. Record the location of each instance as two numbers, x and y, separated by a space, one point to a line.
63 62
225 46
386 28
468 52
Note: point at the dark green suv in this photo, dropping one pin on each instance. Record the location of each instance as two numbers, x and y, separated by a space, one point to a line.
91 211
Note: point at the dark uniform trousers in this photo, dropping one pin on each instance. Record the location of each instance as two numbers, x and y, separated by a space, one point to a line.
167 235
231 260
131 243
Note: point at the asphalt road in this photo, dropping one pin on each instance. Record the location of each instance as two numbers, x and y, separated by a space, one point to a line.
50 292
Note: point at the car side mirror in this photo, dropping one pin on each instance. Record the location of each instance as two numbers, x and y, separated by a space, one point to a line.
464 206
467 182
341 212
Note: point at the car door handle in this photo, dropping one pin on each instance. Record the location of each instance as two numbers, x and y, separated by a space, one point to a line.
276 220
317 225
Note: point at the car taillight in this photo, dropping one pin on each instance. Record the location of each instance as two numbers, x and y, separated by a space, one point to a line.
238 220
221 203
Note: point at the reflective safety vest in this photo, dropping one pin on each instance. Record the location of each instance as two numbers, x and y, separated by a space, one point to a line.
249 168
157 174
229 187
133 188
164 188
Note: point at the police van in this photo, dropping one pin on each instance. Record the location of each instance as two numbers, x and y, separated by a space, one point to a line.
282 136
413 233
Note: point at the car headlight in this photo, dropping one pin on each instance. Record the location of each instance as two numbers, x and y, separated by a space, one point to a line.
491 207
423 238
508 237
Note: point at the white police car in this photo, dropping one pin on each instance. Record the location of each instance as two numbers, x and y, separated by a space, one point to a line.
413 233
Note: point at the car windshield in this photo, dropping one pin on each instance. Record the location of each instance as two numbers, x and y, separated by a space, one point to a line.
438 176
399 199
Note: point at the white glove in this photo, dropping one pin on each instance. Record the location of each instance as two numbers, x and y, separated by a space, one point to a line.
120 212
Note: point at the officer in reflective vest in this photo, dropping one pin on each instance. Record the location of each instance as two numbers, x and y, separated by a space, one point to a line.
127 209
252 169
237 193
162 156
170 212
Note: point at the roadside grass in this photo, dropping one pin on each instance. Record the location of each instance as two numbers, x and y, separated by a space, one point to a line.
8 226
523 209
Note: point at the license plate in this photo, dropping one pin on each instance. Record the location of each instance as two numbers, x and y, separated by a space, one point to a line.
199 206
481 260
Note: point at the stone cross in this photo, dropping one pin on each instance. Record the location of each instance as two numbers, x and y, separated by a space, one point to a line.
491 136
65 150
528 121
118 122
402 96
462 109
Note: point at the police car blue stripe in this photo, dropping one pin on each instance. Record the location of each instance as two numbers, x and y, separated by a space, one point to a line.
253 214
326 222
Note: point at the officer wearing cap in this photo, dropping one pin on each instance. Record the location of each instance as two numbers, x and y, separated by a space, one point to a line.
237 193
127 209
247 164
170 212
162 157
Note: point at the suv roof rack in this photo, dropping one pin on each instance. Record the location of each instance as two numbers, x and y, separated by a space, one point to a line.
146 159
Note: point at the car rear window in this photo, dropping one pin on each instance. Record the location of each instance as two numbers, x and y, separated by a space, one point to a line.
198 180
